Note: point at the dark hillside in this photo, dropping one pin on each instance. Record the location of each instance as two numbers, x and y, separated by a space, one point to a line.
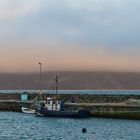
72 80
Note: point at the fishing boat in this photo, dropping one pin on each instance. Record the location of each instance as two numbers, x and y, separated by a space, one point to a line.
52 107
55 108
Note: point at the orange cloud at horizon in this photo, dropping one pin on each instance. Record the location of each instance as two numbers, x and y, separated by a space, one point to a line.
24 57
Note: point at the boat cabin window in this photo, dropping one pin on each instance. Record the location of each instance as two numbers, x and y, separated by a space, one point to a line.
48 102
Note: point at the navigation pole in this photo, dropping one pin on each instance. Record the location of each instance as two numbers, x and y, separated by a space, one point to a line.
40 73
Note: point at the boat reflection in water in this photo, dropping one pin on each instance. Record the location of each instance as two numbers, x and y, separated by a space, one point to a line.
55 108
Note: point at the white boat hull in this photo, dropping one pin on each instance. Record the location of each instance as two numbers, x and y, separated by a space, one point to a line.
28 110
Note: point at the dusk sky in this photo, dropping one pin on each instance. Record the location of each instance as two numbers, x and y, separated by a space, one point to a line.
69 35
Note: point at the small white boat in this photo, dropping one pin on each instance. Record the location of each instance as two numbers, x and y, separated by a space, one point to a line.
28 110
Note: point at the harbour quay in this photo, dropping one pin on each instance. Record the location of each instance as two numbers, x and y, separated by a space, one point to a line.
100 105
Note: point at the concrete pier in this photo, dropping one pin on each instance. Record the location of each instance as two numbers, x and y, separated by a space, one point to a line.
112 106
14 105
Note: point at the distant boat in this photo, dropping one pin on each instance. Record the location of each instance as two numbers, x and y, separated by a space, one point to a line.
55 108
28 110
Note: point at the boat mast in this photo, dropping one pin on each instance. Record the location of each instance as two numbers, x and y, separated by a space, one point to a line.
56 84
40 73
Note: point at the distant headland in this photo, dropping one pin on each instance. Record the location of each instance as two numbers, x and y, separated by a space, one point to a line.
72 80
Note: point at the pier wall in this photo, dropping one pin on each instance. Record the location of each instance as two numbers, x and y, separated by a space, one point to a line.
112 106
77 98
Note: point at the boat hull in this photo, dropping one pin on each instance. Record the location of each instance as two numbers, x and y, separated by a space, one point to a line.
65 113
28 110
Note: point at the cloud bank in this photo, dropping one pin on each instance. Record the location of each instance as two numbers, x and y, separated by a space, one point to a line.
14 8
74 35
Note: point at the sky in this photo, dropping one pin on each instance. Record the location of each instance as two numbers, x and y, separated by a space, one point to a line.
85 35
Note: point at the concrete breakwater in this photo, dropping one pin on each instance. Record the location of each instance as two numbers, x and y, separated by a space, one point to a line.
113 106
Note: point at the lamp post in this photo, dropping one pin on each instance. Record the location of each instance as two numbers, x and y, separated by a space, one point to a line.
40 64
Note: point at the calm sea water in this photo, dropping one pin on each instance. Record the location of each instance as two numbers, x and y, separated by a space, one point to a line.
19 126
76 91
